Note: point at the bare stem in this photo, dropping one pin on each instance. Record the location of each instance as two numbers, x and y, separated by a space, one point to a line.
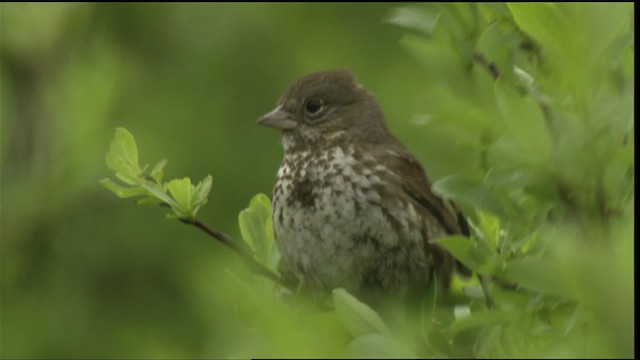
254 265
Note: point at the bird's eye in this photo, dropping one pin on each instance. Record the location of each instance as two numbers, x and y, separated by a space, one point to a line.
313 106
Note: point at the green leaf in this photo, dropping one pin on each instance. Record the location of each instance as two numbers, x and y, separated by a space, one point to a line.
496 45
523 118
377 346
478 319
158 171
545 23
158 192
487 340
417 18
184 199
257 228
471 192
534 273
182 192
121 191
472 254
438 342
125 144
202 191
358 317
123 157
490 227
123 154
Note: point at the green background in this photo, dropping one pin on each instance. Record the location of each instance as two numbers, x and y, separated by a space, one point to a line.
85 274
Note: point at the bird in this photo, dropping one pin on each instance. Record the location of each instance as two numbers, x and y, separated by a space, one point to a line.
352 207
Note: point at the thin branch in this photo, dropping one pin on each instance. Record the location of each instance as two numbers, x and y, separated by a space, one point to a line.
254 265
488 65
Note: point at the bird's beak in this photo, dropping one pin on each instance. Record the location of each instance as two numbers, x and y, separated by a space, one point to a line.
278 119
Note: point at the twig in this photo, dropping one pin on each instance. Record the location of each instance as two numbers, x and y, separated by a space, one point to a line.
253 264
489 65
488 299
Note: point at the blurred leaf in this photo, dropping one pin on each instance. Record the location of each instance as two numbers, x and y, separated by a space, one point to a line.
535 273
422 19
257 228
158 171
156 191
474 291
357 316
496 45
484 318
460 311
523 118
202 191
121 191
470 192
182 191
377 346
508 299
545 23
487 339
472 254
438 342
124 150
489 225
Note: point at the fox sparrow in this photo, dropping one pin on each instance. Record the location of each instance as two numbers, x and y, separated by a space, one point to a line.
352 207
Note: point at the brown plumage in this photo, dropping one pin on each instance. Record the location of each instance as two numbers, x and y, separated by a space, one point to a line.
351 206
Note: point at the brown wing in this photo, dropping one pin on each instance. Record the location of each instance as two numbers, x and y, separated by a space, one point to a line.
417 186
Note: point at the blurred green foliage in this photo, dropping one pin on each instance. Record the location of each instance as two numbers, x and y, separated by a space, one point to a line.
522 112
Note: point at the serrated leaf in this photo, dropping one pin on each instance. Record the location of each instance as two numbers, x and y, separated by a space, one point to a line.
358 317
375 345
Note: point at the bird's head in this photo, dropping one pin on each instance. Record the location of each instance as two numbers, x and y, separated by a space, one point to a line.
327 106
